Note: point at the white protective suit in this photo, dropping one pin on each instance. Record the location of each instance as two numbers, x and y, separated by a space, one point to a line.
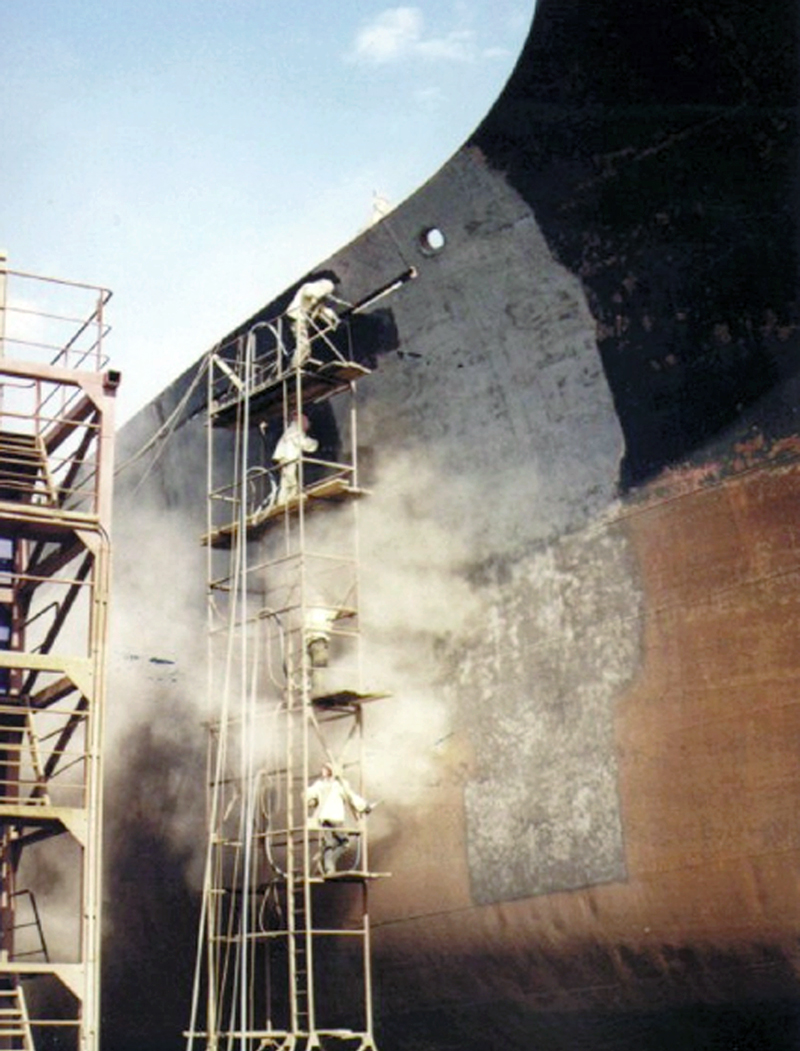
330 798
291 444
317 627
308 306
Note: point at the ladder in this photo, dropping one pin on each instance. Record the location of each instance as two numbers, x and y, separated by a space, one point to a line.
15 1026
302 959
283 591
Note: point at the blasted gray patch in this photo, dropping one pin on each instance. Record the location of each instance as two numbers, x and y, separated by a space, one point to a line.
537 685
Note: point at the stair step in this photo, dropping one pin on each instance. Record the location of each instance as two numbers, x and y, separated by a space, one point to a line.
15 1030
23 466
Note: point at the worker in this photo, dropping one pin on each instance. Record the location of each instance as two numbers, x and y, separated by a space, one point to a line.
309 307
294 441
328 799
318 624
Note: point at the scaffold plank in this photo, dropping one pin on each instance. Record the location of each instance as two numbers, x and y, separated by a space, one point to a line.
329 489
268 400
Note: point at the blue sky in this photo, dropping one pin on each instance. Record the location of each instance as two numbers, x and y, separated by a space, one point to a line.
197 156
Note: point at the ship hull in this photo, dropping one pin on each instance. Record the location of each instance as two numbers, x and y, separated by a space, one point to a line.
582 550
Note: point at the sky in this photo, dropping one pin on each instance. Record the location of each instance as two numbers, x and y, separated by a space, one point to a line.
198 156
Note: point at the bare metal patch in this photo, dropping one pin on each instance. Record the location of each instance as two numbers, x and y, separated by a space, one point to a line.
537 687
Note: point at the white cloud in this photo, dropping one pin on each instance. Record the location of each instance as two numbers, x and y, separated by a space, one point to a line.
495 52
459 46
398 32
394 33
430 97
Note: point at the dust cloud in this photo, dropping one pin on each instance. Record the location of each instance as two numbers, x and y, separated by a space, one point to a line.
155 761
414 597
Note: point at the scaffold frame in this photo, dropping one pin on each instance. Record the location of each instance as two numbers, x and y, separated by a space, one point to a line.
284 945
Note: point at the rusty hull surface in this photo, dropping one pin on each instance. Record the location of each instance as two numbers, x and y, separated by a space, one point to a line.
707 744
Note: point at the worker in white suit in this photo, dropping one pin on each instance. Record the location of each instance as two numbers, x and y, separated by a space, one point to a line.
308 309
317 627
329 799
294 441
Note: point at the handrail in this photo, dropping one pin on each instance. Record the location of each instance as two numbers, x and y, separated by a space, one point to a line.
37 922
65 331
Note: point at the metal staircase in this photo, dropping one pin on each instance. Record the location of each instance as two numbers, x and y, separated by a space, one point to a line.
24 472
15 1025
56 453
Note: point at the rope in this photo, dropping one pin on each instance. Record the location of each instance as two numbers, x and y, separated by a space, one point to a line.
219 958
165 431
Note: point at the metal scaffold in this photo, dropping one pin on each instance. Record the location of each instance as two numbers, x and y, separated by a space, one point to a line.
56 466
284 943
